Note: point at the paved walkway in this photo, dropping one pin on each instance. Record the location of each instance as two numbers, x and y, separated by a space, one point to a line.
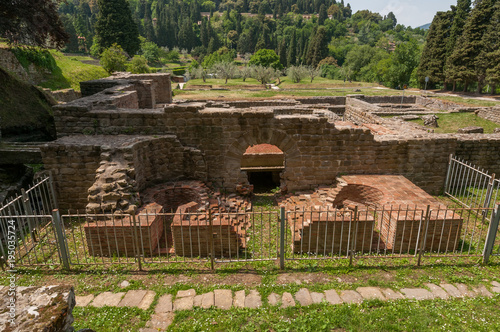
225 299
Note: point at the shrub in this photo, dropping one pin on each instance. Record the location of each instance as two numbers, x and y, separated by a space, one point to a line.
139 65
113 59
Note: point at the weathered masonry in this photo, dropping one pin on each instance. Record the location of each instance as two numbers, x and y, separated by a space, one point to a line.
116 143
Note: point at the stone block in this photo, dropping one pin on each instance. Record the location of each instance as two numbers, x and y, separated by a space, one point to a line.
350 296
370 293
332 297
107 299
223 298
287 300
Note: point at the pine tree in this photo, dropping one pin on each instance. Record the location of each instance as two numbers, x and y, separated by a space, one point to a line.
432 62
462 10
491 41
115 25
465 58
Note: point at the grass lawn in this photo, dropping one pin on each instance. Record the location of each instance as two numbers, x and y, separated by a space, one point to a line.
467 101
71 71
451 122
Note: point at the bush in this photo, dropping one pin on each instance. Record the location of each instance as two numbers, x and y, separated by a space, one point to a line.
179 71
139 65
38 57
296 73
113 59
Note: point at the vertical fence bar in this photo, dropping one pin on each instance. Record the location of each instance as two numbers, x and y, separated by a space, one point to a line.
282 237
61 240
211 239
424 237
447 182
136 240
492 233
489 194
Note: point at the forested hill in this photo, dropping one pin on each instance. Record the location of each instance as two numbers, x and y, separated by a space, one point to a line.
295 30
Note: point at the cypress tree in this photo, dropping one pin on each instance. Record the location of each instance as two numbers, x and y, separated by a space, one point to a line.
432 62
491 41
115 25
292 51
282 53
465 60
462 10
318 47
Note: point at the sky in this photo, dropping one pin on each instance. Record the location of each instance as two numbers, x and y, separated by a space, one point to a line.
412 13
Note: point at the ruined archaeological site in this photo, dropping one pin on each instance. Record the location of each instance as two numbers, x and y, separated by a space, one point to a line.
127 148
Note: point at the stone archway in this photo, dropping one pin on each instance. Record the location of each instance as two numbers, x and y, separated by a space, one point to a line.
233 174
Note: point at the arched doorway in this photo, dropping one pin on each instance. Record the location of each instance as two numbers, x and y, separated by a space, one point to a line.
263 164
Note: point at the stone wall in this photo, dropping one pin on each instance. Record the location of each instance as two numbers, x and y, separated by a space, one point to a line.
65 95
9 62
480 150
73 167
492 114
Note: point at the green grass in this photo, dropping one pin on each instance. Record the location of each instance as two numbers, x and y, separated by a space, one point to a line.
110 319
451 122
479 314
71 71
467 101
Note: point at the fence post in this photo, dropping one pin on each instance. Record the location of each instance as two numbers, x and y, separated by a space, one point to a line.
211 239
61 239
447 182
354 231
424 237
489 195
282 237
136 240
52 190
492 233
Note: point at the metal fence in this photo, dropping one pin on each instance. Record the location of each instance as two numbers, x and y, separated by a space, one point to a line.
267 235
27 216
473 187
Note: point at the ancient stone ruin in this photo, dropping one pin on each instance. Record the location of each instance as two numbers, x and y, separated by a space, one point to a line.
127 148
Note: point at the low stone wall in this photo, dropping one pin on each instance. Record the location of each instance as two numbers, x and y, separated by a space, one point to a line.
492 114
359 111
66 95
390 99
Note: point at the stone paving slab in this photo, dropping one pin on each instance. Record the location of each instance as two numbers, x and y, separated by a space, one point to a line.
317 297
437 291
223 298
239 299
184 303
370 293
417 294
253 300
332 297
464 290
197 300
208 300
287 300
350 296
147 300
186 293
481 290
161 321
496 287
452 290
164 304
107 298
133 298
304 297
392 295
273 299
83 301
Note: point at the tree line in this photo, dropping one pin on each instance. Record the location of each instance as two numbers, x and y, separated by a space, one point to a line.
462 49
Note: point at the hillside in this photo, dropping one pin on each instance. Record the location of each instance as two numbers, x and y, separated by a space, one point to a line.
24 111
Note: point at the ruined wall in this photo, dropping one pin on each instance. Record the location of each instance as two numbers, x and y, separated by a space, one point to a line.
492 114
73 167
480 150
358 111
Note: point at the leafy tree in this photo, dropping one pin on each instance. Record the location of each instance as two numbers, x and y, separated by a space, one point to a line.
312 72
150 51
226 70
115 25
245 73
113 59
296 73
404 60
221 55
263 74
36 23
266 58
139 65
